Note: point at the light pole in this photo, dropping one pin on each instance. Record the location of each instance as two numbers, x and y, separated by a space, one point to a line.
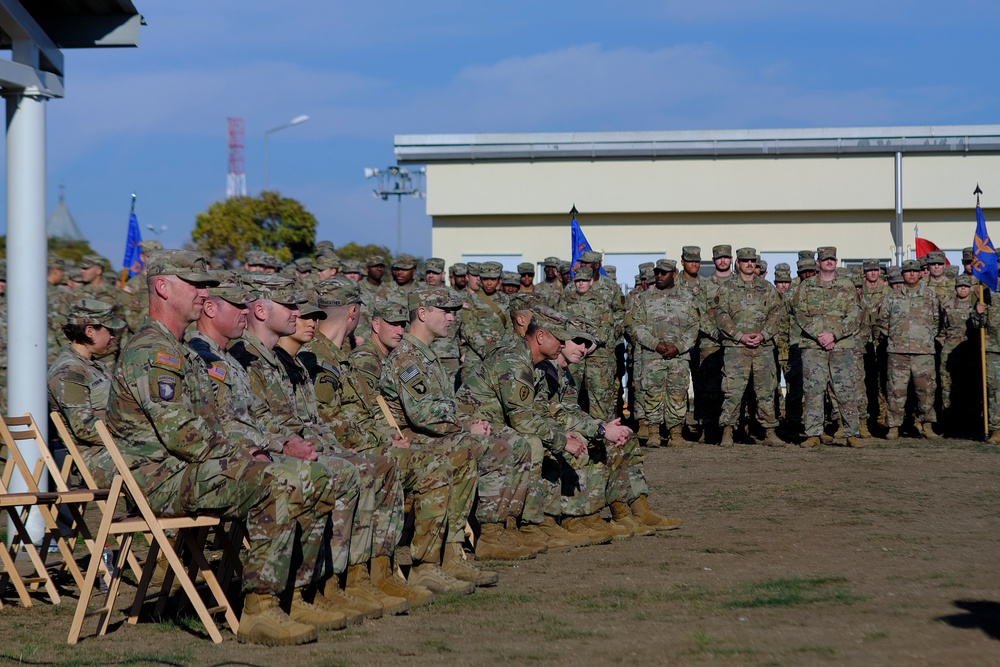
396 182
298 120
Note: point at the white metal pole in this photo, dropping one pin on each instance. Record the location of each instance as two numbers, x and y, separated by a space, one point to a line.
898 222
26 263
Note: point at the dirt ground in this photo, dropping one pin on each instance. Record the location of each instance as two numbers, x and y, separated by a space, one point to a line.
885 555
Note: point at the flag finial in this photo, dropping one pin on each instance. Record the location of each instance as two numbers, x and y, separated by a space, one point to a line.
573 210
133 202
978 191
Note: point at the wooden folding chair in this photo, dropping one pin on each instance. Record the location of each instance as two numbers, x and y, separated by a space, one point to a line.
187 528
22 429
16 506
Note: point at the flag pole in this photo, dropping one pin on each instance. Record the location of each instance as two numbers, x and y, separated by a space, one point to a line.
125 268
982 349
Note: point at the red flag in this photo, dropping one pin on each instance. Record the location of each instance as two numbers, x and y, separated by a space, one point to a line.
924 246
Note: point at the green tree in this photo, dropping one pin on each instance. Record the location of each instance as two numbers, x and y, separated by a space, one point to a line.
274 224
362 252
73 250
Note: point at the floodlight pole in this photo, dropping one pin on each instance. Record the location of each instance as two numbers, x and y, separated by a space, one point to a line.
395 182
298 120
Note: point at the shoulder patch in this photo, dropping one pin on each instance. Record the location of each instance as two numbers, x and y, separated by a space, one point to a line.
409 373
217 372
167 361
330 368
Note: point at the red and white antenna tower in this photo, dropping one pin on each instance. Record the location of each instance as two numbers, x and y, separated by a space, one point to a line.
236 179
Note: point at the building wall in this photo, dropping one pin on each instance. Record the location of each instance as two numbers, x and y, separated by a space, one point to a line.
775 204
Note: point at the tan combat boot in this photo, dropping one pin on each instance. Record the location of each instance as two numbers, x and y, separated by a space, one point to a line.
524 539
370 603
456 565
811 441
315 615
621 515
855 442
495 544
552 543
555 531
927 430
335 597
863 429
577 525
640 510
358 579
432 577
771 438
653 439
599 525
892 433
643 432
263 622
727 437
676 437
385 577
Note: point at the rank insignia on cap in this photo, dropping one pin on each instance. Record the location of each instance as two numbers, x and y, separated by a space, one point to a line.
168 360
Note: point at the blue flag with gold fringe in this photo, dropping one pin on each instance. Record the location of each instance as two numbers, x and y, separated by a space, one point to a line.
984 263
133 248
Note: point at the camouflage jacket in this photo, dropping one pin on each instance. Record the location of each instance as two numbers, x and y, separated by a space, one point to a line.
363 373
945 289
871 301
551 291
327 367
990 320
484 327
709 325
594 309
743 307
826 306
79 391
419 393
557 393
502 391
911 319
395 292
161 413
671 316
956 321
231 386
447 347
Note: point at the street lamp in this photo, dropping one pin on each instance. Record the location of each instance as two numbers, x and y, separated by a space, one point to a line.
298 120
155 230
396 182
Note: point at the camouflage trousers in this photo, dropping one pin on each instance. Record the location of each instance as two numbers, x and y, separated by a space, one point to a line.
919 368
604 479
708 394
834 371
793 386
426 477
598 376
504 466
993 389
861 398
378 521
538 494
636 484
876 380
464 480
743 367
276 500
664 390
960 380
632 368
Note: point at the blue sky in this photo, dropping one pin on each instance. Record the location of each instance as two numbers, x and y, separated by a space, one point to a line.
152 120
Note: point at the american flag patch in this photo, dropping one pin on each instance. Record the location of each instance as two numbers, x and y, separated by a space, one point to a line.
409 374
217 372
164 359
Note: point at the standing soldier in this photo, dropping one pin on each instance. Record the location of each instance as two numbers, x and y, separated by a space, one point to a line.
708 380
689 279
782 282
825 309
910 319
872 294
942 285
485 319
370 285
746 310
958 358
458 275
987 316
633 355
551 287
403 270
510 283
526 276
434 271
597 372
666 321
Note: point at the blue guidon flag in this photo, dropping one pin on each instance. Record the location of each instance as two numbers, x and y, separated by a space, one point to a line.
580 243
984 264
132 263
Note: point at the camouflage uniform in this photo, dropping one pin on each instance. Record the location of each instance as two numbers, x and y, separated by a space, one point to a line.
990 320
743 306
828 306
910 318
289 404
874 350
670 316
552 291
958 379
485 324
708 379
597 372
167 425
422 400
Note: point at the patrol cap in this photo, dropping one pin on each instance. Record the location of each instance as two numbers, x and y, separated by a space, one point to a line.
337 291
474 268
648 274
434 265
311 309
806 264
551 261
526 268
644 266
895 275
391 311
583 273
744 254
272 262
375 260
152 245
762 265
782 266
230 288
490 270
56 262
951 271
844 271
185 264
858 281
320 245
968 255
256 258
871 265
551 320
327 261
525 300
72 272
612 271
579 327
88 261
936 257
405 262
722 251
274 287
910 265
303 265
95 313
351 266
666 265
510 278
691 253
826 252
784 276
433 297
964 280
807 254
592 256
459 269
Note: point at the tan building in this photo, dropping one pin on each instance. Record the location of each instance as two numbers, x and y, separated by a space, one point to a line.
641 195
